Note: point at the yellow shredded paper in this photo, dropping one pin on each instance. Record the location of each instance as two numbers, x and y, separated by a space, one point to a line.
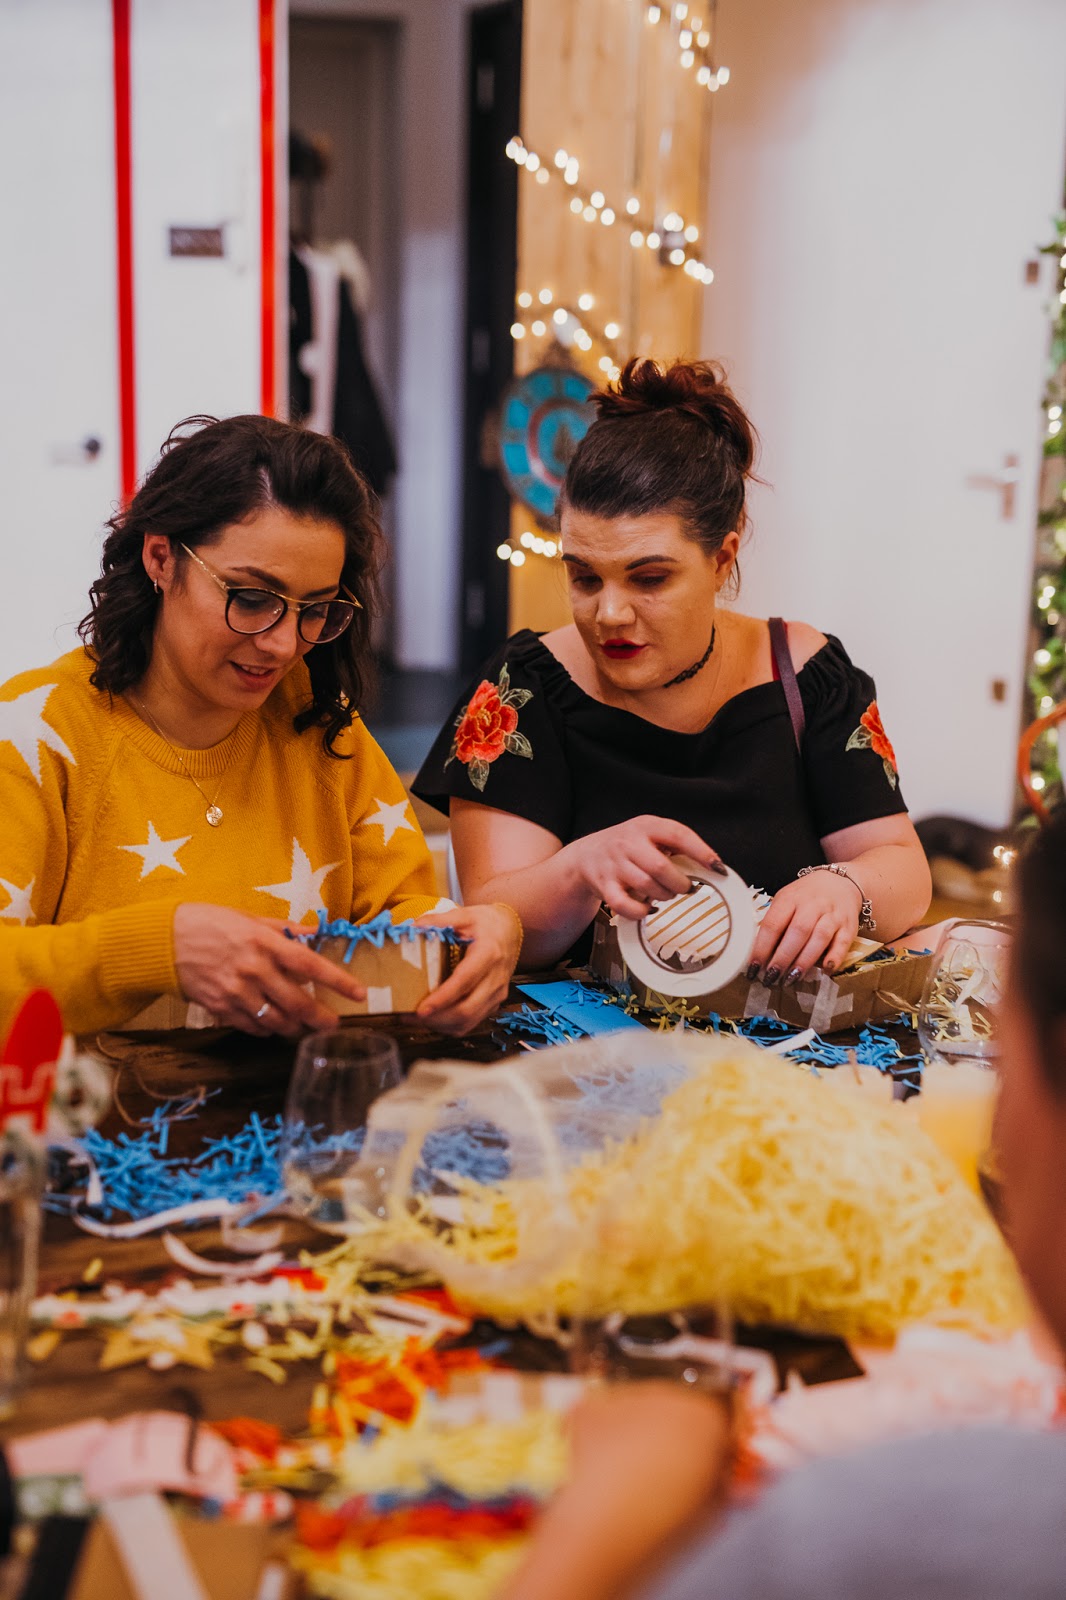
793 1199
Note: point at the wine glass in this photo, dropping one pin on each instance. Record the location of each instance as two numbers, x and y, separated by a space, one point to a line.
958 1009
336 1079
958 1033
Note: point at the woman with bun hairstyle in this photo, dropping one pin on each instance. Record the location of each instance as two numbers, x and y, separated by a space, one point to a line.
660 722
196 780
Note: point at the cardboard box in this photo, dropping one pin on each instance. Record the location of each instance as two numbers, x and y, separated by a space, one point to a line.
397 976
863 991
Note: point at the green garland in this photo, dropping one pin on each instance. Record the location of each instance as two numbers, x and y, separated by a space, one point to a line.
1047 673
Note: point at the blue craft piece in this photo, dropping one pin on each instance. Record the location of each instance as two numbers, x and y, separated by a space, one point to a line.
580 1006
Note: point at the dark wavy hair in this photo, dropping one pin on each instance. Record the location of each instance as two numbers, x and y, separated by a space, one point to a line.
669 439
211 474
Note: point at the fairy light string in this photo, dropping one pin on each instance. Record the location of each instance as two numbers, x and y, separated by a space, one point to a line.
1046 680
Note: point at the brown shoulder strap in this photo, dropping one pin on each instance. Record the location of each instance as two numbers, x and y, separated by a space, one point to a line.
785 674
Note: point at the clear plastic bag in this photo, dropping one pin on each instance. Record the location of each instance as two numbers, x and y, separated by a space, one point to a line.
489 1153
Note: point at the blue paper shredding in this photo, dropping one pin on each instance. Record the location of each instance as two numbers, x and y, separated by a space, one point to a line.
876 1046
139 1179
375 932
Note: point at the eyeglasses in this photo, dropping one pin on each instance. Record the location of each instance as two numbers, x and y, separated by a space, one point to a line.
259 610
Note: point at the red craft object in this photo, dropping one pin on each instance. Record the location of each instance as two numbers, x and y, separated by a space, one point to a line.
28 1061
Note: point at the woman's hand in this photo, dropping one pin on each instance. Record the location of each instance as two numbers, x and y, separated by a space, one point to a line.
480 982
234 965
629 866
813 919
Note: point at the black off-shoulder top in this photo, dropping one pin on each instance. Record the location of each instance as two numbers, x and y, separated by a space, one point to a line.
527 740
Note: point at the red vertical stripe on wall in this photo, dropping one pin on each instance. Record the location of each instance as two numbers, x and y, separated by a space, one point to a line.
127 390
267 211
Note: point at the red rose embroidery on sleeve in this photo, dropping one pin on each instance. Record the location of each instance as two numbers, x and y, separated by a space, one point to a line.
487 726
871 735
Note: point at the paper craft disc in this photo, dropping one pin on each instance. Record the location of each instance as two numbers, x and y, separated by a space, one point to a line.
698 941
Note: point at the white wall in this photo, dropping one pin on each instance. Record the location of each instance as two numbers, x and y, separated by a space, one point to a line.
432 116
196 153
195 147
881 171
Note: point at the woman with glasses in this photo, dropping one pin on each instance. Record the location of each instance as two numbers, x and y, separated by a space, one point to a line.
196 778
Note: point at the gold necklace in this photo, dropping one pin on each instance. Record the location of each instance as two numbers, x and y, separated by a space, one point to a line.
214 812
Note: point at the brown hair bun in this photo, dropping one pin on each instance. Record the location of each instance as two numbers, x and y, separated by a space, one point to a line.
666 439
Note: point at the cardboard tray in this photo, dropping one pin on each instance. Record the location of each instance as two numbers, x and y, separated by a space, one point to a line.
866 991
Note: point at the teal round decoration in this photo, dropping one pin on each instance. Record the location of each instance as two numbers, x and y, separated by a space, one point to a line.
545 415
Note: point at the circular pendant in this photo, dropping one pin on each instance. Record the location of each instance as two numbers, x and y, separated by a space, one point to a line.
214 815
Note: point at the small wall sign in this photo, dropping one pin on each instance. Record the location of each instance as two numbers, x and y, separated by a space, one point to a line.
196 242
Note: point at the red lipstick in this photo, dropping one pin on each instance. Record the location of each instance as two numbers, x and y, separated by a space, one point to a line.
621 649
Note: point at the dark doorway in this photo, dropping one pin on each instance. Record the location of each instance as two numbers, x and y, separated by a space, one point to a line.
491 256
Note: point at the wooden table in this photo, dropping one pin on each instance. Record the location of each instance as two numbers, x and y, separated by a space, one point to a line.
242 1075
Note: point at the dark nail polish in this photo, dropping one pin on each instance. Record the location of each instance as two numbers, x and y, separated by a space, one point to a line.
795 975
772 975
753 972
720 867
829 966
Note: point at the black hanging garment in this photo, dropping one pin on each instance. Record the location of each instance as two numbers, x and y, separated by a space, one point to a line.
358 419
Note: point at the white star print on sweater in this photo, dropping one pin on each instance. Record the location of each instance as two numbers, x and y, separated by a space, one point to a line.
303 892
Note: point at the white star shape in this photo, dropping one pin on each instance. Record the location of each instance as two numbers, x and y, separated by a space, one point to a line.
157 852
391 818
22 724
19 907
304 889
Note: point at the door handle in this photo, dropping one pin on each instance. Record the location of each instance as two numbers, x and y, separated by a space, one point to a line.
1004 483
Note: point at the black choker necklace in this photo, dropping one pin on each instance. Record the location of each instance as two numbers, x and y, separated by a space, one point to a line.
690 672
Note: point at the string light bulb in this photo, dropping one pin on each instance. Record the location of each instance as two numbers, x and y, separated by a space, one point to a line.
596 198
653 14
561 158
518 330
518 558
607 216
538 329
585 302
632 206
612 330
577 205
636 238
504 552
545 297
525 299
559 316
653 241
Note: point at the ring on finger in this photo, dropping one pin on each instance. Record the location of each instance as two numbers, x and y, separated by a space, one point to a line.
263 1009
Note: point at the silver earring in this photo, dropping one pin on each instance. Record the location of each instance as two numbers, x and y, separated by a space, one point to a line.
156 587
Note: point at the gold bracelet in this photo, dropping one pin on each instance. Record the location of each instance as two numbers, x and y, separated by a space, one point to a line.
502 905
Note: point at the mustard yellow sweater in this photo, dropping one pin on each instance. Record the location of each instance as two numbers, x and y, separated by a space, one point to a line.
102 834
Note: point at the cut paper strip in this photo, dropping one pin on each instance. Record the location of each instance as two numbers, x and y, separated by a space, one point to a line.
581 1007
